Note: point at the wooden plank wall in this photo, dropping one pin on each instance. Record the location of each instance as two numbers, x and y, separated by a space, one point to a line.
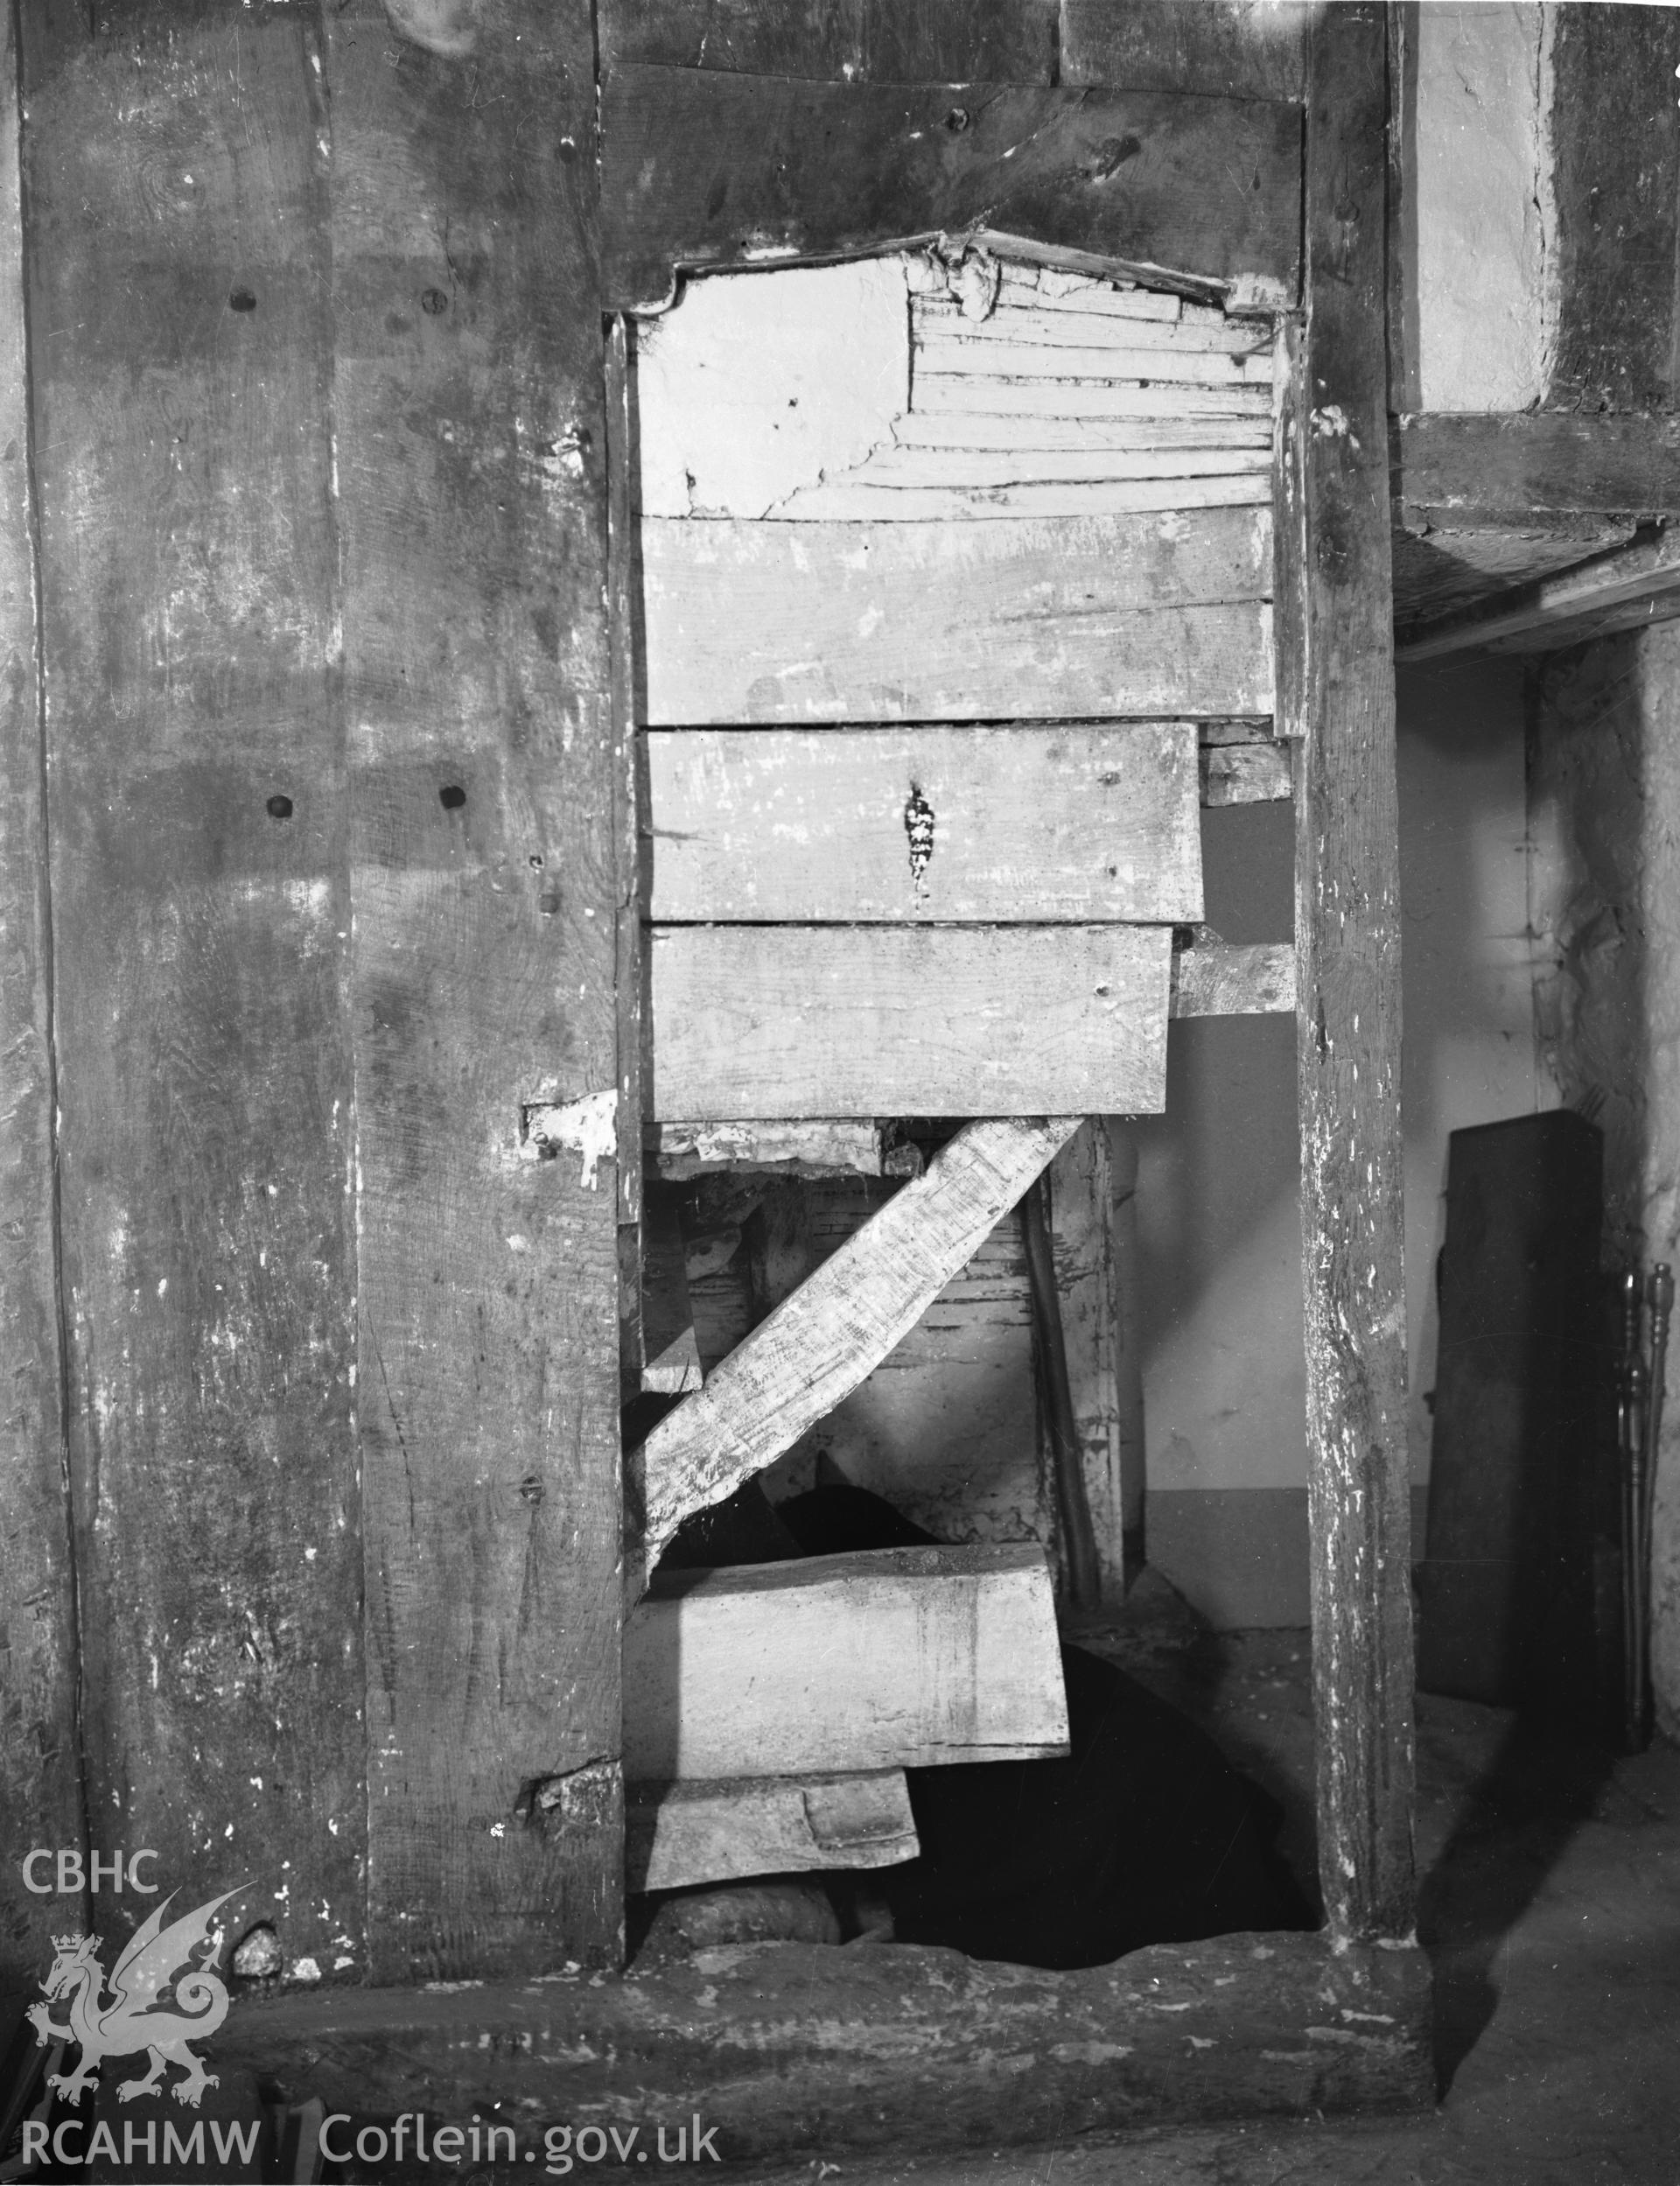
40 1788
318 382
1034 494
180 354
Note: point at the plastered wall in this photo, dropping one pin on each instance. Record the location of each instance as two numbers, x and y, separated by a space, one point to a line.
1477 283
1217 1210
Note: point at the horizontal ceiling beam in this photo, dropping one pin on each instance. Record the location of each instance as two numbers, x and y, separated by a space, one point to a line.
1630 589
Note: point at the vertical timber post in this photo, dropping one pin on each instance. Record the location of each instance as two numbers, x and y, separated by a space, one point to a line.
40 1788
179 337
469 434
1338 695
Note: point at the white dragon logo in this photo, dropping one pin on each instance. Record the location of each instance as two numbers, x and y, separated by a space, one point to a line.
134 2020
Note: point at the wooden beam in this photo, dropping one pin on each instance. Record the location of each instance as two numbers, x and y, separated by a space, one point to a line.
938 1020
181 338
40 1772
1616 193
1464 472
701 170
865 41
1629 589
1072 822
1347 944
1246 773
773 2047
469 412
1019 618
1215 48
803 1146
678 1834
891 1658
836 1328
622 622
1233 979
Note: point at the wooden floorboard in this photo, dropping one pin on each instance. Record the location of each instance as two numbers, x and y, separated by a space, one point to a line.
1017 617
900 1020
1071 823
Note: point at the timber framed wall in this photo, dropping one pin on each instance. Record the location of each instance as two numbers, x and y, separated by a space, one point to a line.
316 701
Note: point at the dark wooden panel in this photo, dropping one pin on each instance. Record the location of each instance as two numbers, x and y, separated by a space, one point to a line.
181 336
1505 1592
1347 947
1464 472
706 170
1616 177
471 432
40 1792
1229 49
854 41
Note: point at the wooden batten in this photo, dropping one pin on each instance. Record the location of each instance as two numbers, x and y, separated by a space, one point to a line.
1020 618
834 1329
858 1020
718 1830
1246 773
1075 822
1233 979
895 1658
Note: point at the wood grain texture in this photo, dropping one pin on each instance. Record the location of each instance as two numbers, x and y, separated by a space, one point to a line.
806 1146
181 351
1629 589
1460 473
1019 618
678 1834
703 169
1233 979
1243 49
891 1658
816 1346
1616 187
1186 2032
40 1788
1064 823
1083 1240
949 1020
1347 944
469 412
1245 773
868 41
